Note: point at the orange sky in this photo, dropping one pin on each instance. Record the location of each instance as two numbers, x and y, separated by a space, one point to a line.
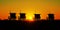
29 7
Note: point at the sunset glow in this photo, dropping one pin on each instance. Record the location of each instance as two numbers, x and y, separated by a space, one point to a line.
30 7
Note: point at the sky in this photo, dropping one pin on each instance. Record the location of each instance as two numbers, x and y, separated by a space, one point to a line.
30 7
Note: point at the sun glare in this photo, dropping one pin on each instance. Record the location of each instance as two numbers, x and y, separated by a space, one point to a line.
29 17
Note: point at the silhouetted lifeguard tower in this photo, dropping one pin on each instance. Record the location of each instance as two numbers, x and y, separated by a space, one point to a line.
37 16
12 16
50 16
22 16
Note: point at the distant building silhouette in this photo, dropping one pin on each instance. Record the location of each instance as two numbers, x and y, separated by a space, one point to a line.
5 19
50 16
37 16
0 18
12 16
22 16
